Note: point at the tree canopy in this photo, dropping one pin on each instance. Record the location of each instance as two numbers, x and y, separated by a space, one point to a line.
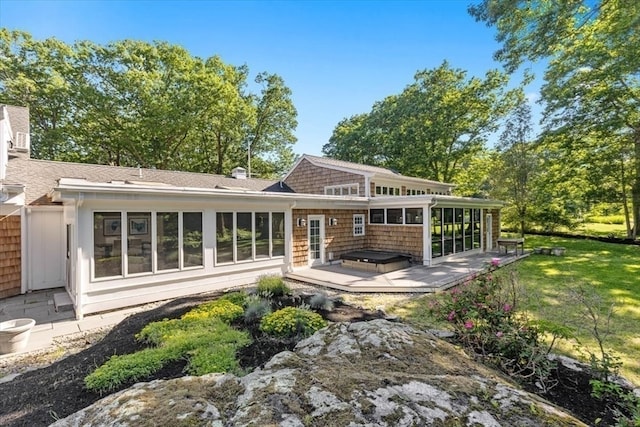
134 103
439 122
591 92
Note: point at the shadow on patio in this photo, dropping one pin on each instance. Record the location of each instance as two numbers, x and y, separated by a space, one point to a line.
416 278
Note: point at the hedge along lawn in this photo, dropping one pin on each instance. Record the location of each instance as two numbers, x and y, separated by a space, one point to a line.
612 271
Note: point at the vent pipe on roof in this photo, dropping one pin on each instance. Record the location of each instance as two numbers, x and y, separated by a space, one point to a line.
239 173
139 172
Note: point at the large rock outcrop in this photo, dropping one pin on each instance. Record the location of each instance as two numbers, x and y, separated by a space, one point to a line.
375 373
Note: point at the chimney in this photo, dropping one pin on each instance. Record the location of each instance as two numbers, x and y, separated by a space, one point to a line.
239 173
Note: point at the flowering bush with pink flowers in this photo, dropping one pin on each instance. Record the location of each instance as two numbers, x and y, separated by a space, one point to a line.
483 313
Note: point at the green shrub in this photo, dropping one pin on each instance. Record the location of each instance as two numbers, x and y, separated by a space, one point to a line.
222 309
321 302
483 313
202 335
256 309
237 297
272 286
292 321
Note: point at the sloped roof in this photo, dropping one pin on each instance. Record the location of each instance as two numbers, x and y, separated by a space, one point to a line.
366 169
40 176
18 117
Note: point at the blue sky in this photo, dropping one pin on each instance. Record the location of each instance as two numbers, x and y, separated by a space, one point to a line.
338 57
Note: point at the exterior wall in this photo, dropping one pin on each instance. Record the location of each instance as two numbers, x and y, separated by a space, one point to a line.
311 179
406 239
10 256
101 294
339 239
495 226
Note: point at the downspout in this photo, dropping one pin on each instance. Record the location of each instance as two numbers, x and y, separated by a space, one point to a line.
76 261
24 248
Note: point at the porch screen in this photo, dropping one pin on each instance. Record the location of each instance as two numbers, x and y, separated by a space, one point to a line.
224 237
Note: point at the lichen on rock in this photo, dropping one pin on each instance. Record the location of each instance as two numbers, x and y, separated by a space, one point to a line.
376 373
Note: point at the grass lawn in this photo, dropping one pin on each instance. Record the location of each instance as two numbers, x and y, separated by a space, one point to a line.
609 271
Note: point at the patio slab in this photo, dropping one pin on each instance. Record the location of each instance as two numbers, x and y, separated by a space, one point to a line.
417 278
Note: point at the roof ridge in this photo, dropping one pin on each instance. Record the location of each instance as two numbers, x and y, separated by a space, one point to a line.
135 169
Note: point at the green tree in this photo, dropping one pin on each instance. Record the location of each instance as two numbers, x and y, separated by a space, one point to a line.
134 103
518 162
34 73
592 82
430 130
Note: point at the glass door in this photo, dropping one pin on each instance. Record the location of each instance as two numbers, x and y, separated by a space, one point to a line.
315 229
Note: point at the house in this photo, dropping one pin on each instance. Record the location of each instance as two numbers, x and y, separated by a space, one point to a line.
117 236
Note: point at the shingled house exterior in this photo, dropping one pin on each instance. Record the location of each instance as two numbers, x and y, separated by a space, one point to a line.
115 236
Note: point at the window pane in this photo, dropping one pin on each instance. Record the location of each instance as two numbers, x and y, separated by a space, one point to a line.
277 234
459 227
244 236
476 228
192 238
358 225
436 232
167 236
262 234
139 242
224 237
376 216
107 244
413 215
394 216
447 231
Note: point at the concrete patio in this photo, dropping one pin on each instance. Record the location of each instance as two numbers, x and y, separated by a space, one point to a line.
416 278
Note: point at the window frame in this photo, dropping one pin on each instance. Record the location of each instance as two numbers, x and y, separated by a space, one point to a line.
358 225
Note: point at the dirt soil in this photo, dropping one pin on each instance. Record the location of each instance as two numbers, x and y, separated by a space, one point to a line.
55 389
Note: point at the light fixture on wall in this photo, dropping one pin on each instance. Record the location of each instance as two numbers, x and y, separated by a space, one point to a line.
301 222
333 221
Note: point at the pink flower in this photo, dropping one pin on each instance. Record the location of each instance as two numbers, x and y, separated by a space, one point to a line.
468 324
507 308
495 262
451 316
499 334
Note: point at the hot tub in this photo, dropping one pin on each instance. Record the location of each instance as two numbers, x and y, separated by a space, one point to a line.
378 261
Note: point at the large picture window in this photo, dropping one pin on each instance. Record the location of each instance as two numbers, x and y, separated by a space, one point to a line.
277 234
224 237
254 235
192 239
168 252
139 252
244 236
107 244
113 237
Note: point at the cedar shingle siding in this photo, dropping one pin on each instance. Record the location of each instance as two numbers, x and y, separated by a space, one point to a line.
311 179
338 239
396 238
10 260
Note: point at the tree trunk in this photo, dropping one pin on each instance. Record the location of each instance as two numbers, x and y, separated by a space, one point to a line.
635 190
625 199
